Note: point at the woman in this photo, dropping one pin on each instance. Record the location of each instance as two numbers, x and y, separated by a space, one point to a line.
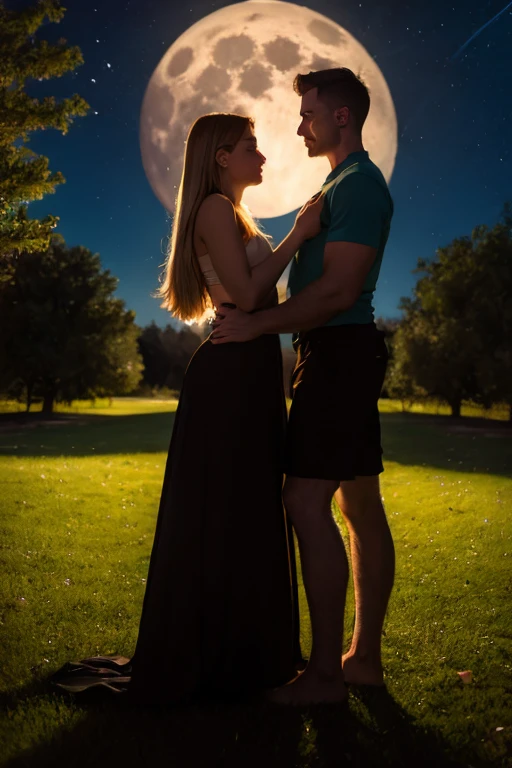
220 610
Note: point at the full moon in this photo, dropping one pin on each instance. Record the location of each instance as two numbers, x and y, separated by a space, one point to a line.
243 58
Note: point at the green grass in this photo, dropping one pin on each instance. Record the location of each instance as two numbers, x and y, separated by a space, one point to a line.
118 406
127 405
78 510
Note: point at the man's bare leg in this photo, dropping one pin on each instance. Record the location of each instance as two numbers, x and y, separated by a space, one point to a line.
373 567
325 575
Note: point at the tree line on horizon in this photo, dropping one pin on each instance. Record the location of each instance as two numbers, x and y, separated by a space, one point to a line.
64 335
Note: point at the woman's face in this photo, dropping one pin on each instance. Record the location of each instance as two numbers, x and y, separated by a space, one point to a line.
245 163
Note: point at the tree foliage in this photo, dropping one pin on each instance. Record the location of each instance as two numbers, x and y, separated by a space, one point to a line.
166 353
63 334
455 340
24 175
389 326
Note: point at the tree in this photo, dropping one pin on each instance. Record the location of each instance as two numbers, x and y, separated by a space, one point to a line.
390 327
120 370
492 310
24 175
400 382
434 356
62 332
455 338
166 353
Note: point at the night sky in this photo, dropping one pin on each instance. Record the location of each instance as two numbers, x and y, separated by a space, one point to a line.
453 103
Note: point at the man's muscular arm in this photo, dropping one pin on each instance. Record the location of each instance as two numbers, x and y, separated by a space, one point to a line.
346 266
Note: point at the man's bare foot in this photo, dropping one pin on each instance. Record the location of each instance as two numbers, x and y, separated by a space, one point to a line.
360 671
310 688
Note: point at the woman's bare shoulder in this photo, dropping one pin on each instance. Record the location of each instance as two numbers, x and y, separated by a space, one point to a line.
216 204
216 214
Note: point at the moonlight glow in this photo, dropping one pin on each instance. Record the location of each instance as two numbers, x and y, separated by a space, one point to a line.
243 58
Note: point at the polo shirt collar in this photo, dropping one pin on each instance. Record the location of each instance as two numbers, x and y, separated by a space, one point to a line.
354 157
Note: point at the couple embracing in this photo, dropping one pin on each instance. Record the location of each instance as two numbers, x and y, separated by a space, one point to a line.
220 613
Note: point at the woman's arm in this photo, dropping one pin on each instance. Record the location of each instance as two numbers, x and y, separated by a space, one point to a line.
219 231
267 272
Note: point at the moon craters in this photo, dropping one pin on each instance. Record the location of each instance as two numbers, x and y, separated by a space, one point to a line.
318 63
325 32
213 80
161 104
189 111
283 53
233 52
255 80
180 62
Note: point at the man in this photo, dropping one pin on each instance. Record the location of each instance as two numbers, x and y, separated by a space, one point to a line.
333 443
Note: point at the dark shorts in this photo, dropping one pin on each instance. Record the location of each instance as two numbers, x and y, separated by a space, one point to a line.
334 428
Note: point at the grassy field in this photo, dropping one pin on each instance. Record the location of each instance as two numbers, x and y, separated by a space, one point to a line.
78 509
126 405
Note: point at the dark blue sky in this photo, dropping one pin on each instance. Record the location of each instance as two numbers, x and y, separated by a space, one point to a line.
453 167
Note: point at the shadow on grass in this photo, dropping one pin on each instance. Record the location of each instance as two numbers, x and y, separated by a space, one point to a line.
467 445
442 442
373 731
84 434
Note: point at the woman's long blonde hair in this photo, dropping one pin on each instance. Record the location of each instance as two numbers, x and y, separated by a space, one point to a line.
183 288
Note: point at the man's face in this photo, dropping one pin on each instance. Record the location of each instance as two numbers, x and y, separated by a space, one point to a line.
318 126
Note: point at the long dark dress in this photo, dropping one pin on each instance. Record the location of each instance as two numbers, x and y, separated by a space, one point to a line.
220 612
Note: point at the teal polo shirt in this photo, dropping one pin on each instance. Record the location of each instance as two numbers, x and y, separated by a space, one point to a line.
358 209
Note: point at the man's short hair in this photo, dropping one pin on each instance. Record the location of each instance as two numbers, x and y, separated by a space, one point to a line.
338 88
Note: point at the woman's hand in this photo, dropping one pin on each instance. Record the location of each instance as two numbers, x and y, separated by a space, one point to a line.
307 221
